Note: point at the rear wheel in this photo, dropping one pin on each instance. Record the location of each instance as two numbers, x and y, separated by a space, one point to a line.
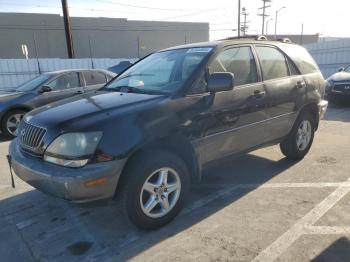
11 121
298 143
155 189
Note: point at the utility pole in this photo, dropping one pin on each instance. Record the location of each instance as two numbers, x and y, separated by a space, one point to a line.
264 15
67 29
244 28
239 19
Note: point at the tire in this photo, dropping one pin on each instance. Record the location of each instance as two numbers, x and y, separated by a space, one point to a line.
291 146
14 117
135 197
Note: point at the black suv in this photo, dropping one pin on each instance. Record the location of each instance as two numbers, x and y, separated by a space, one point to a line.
146 134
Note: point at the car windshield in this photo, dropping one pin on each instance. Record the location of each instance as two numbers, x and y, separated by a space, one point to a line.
160 73
347 69
34 83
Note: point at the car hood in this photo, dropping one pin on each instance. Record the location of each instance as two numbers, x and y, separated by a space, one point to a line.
340 77
7 95
89 109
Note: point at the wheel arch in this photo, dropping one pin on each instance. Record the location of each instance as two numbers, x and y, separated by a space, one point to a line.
311 108
16 107
175 143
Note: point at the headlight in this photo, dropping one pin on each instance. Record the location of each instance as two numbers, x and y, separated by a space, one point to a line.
329 84
72 149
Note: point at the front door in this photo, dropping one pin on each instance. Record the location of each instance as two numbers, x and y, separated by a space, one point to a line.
234 120
63 86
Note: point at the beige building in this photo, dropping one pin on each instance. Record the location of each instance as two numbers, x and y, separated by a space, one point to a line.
44 36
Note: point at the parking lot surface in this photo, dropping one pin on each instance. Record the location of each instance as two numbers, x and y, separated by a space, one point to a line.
256 207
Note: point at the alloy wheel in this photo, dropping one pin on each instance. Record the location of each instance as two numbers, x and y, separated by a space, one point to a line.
13 122
160 192
304 135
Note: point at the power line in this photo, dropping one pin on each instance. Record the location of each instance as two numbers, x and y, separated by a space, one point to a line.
74 28
149 7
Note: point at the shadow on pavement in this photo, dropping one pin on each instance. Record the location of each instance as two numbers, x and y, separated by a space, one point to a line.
56 230
3 139
337 251
336 112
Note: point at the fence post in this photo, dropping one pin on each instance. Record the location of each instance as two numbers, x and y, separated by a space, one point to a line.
90 48
36 53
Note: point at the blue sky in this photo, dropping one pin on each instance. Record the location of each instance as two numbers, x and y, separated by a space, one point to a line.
327 18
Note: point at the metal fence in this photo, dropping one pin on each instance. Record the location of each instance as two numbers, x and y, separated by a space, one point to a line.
14 72
331 54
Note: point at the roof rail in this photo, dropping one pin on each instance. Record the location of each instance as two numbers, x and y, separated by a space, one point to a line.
261 38
285 40
255 37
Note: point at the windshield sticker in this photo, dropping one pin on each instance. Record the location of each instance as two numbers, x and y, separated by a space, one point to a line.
199 50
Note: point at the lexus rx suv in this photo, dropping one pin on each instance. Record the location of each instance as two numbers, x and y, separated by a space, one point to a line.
145 136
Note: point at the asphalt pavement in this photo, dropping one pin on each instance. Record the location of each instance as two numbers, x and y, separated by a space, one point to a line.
255 207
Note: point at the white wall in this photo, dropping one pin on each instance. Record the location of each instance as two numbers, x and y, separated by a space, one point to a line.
331 54
14 72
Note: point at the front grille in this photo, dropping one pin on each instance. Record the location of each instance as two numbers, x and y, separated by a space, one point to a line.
343 88
30 136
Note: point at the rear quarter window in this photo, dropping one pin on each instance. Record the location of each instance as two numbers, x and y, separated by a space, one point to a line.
94 78
301 57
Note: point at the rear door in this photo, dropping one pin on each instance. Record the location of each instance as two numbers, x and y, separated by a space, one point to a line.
285 88
94 80
235 119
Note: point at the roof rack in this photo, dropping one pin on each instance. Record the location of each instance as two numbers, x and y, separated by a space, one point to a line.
285 40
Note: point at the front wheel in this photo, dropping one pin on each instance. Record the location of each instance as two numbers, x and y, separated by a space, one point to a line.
156 188
10 123
298 143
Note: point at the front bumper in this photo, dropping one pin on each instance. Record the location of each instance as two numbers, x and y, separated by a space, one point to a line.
64 182
322 107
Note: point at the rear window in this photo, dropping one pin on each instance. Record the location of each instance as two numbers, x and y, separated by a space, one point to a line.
301 57
94 78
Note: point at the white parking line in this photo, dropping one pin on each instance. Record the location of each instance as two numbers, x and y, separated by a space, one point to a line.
276 185
303 225
327 230
229 189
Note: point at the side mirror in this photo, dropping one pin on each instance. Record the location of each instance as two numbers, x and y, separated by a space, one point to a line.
220 81
45 89
341 69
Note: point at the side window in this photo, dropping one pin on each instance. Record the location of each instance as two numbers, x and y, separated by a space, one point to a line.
273 63
65 81
94 78
293 71
239 61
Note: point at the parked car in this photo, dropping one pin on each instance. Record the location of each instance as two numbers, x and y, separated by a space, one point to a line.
338 85
44 89
120 67
147 134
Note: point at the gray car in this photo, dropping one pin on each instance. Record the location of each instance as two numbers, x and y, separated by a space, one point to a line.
45 89
338 85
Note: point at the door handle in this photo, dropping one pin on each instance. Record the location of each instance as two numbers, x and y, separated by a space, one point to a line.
80 92
259 93
300 84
